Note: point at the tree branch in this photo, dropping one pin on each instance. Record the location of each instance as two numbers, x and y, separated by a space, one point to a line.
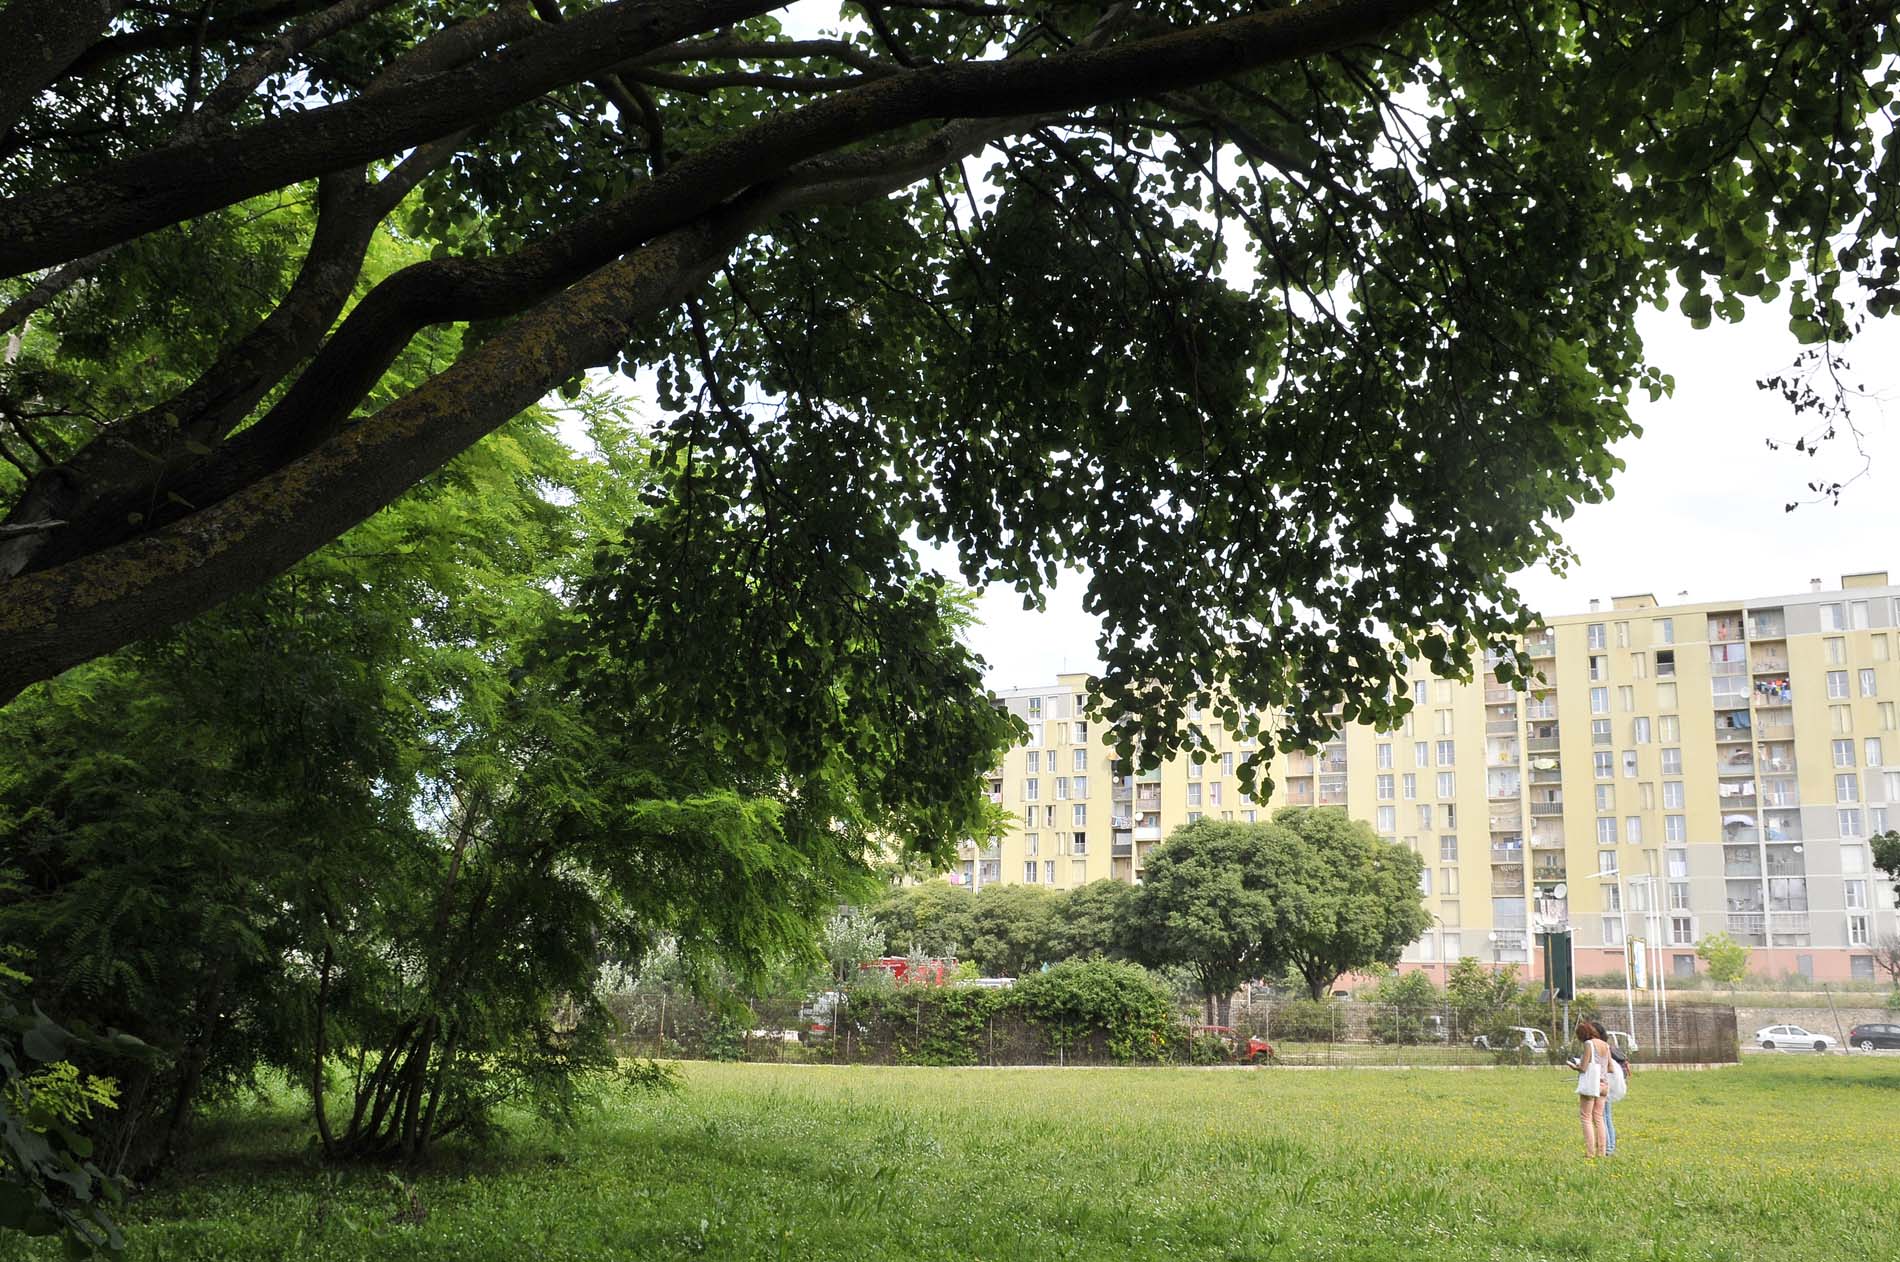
41 39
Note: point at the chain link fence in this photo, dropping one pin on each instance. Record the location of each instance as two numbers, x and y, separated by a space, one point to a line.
1299 1032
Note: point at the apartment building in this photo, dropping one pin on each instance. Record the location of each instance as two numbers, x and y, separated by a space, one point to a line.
1677 770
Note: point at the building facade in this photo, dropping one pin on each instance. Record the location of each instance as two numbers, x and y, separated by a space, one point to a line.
1676 771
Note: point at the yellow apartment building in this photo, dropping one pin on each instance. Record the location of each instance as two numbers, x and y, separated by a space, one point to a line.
1679 770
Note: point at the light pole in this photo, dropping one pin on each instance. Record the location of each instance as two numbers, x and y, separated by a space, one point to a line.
1622 915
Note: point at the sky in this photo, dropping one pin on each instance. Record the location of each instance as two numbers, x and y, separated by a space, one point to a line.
1697 512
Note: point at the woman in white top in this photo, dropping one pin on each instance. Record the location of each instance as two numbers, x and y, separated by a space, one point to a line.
1592 1086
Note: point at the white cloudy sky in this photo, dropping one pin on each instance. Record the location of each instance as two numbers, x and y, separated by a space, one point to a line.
1698 507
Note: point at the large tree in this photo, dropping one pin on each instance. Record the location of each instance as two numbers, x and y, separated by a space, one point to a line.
1355 425
1204 905
1343 897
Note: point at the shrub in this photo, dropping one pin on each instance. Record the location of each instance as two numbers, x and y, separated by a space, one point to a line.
1304 1021
1208 1049
1129 1008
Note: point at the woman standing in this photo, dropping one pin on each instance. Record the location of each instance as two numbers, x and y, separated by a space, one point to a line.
1592 1087
1616 1083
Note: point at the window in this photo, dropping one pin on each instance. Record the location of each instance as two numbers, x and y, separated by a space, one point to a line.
1444 722
1831 619
1081 762
1079 844
1596 636
1836 647
1666 668
1421 753
1383 785
1672 795
1032 843
1840 718
1871 747
1633 829
1081 786
1869 687
1881 651
1062 788
1605 764
1847 788
1448 881
1384 754
1194 794
1886 716
1674 828
1425 881
1606 836
1854 894
1668 724
1248 816
1081 736
1625 698
1682 933
1599 701
1892 779
1425 817
1444 692
1049 817
1410 786
1388 819
1032 790
1844 753
1035 707
1622 635
1079 815
1837 684
1669 729
1447 784
1612 895
1662 630
1227 764
1857 931
1639 729
1213 794
1196 770
1857 615
1451 818
1629 764
1848 820
1447 753
1030 868
1606 797
1193 816
1049 871
1034 762
1599 668
1639 665
1853 859
1029 817
1448 849
1421 692
1600 732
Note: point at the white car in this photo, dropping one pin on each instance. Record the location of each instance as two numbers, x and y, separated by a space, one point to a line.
1792 1038
1517 1038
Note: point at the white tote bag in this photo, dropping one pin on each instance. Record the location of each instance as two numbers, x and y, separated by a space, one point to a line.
1590 1081
1617 1086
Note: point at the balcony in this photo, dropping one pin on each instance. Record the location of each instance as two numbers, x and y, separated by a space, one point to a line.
1725 630
1121 850
1148 796
1500 727
1726 668
1769 664
1541 645
1148 777
1542 744
1775 725
1783 831
1737 762
1767 626
1776 766
1546 841
1121 788
1553 775
1740 834
1507 854
1549 873
1790 924
1501 758
1503 790
1147 832
1730 700
1499 694
1505 885
1332 792
1299 763
1544 709
1333 765
1773 693
1732 731
1545 810
996 796
1299 792
1747 927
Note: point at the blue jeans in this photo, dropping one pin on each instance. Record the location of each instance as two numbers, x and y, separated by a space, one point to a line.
1609 1128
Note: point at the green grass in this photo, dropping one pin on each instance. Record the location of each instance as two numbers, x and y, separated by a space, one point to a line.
1780 1158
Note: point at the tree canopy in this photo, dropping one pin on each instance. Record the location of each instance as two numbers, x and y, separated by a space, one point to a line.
1328 304
1204 904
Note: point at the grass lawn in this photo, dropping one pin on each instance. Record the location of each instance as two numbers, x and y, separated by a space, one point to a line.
1782 1158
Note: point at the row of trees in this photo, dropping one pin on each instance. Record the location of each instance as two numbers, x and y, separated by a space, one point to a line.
1312 893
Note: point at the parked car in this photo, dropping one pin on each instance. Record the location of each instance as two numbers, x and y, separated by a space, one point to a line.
1519 1038
1868 1037
1792 1038
816 1014
1623 1042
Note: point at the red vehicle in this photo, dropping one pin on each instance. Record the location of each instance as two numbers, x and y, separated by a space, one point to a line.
1253 1052
931 972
